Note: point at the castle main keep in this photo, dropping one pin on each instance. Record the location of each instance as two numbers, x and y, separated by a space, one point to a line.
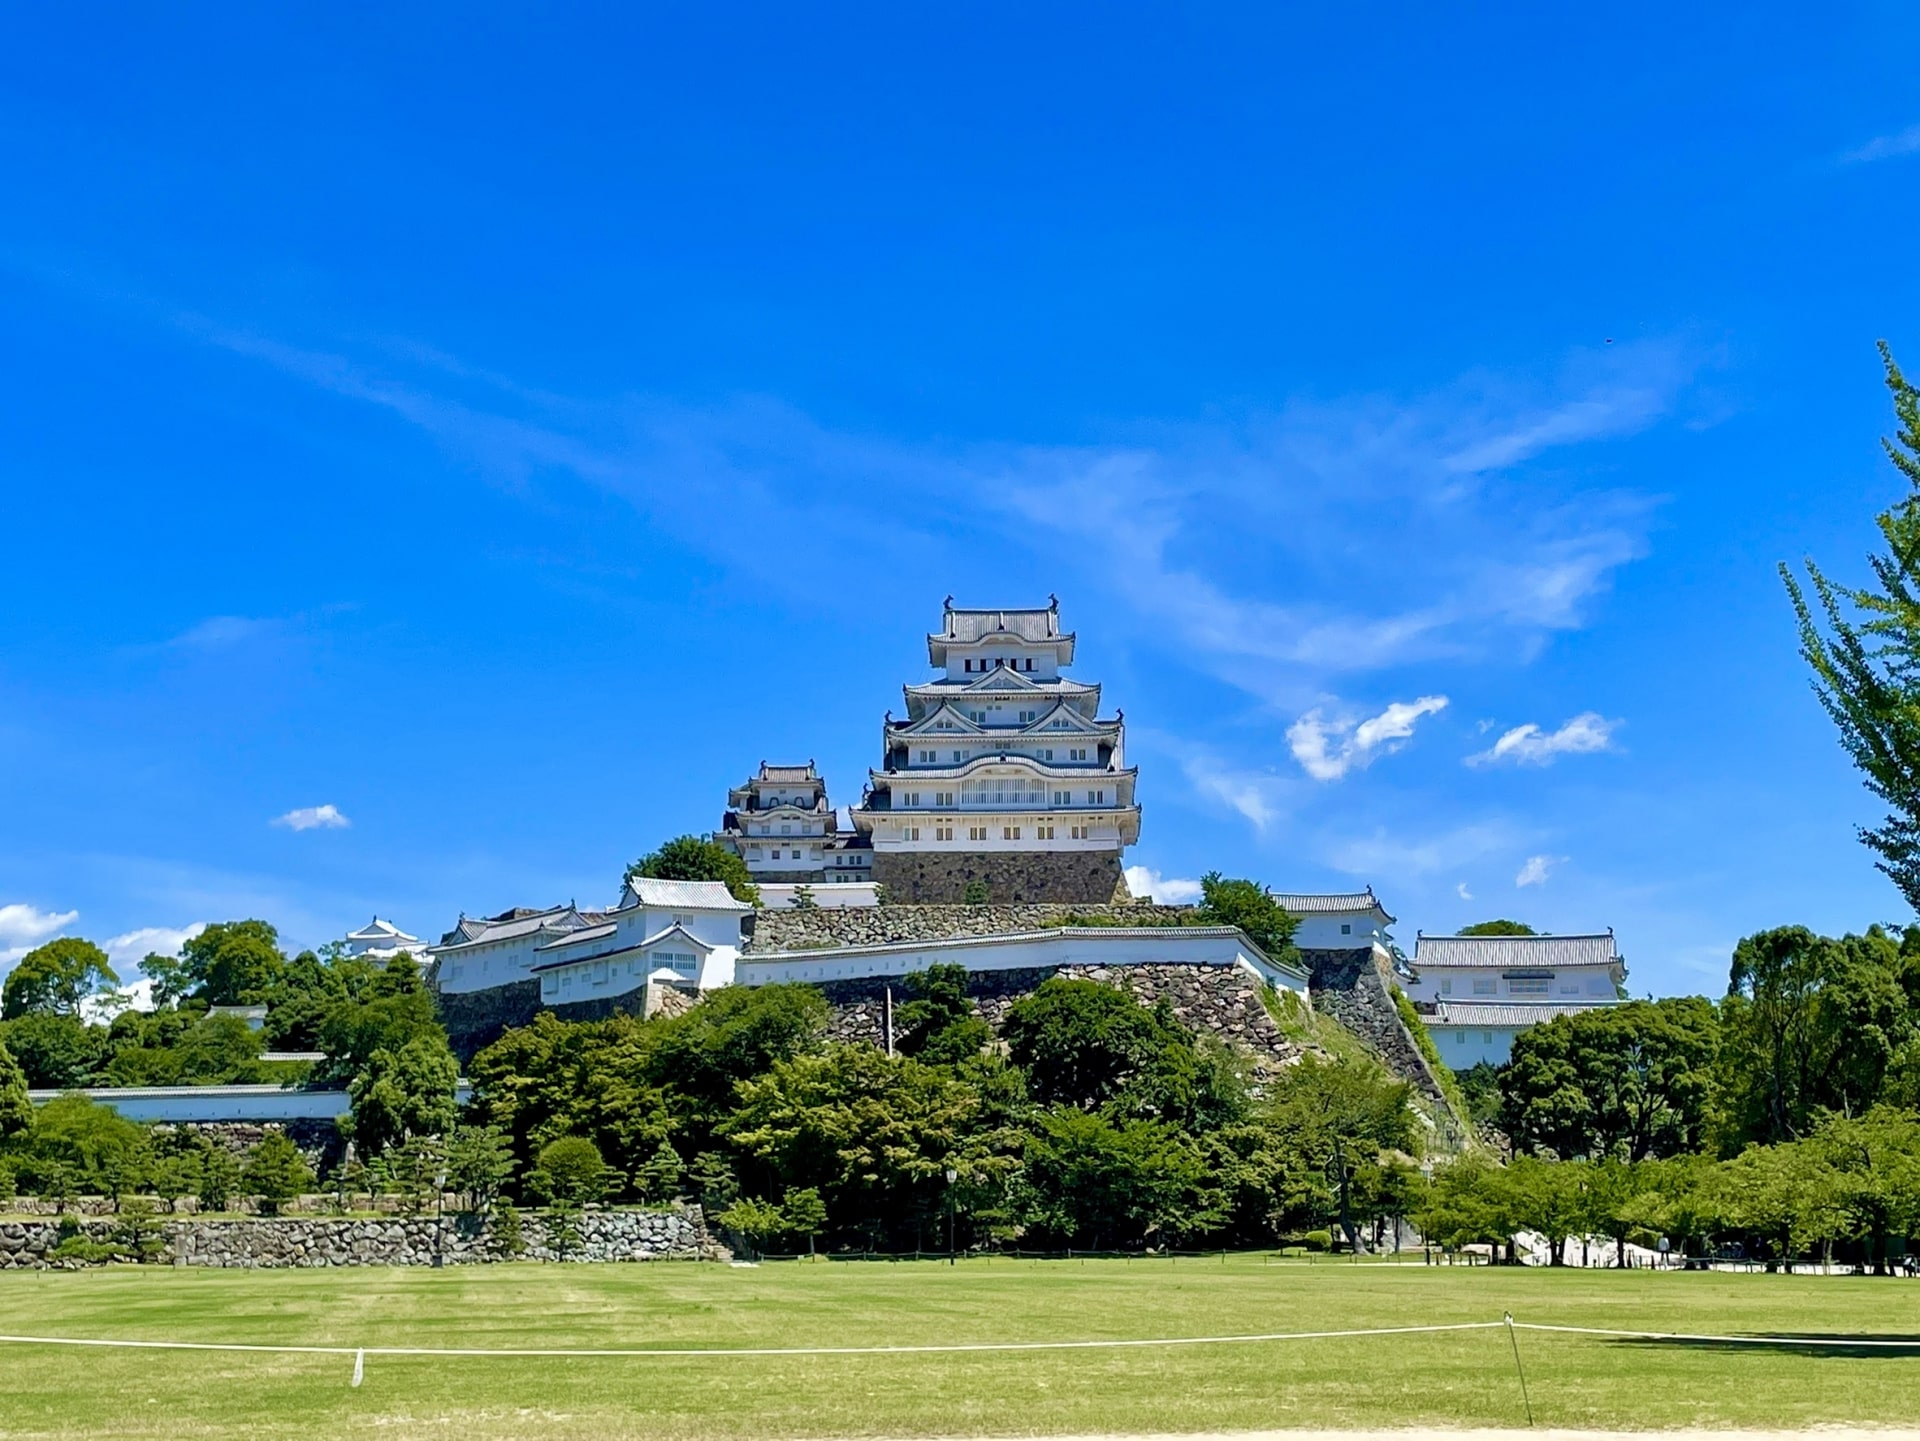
1002 773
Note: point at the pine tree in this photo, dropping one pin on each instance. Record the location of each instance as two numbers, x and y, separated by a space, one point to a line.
1866 658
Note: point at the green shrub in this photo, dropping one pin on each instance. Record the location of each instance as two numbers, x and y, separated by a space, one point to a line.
1318 1240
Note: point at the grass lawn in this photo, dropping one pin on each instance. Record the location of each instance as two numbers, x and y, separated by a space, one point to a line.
1460 1379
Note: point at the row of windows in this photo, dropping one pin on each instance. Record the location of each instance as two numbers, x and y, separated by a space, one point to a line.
1002 663
1007 833
1530 986
996 793
925 757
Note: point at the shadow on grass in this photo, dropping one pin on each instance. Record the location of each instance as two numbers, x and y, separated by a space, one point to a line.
1859 1345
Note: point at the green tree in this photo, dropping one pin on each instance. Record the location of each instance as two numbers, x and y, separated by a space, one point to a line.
1251 907
1090 1180
759 1221
353 1030
658 1180
479 1165
1632 1081
52 980
690 858
275 1172
403 1094
1809 1025
1863 648
79 1147
232 963
56 1052
1498 928
940 1025
571 1172
1082 1043
16 1107
873 1134
1339 1115
976 893
805 1214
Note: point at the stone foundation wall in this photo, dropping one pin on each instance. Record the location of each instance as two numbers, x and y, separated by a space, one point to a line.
320 1142
1222 1001
476 1019
791 930
679 1233
1016 877
1355 987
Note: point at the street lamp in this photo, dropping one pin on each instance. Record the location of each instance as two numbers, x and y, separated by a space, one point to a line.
439 1213
952 1176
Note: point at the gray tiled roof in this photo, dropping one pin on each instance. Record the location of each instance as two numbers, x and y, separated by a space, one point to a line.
521 922
972 625
1486 1013
1515 952
687 895
787 773
1340 903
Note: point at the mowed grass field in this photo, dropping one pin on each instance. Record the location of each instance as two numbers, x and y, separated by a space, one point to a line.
1445 1379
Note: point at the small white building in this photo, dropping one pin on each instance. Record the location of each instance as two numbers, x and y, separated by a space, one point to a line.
380 940
690 930
1476 993
1343 922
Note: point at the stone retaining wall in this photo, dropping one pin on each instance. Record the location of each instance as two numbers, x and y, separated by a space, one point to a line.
1355 987
476 1019
679 1233
795 930
1223 1001
934 877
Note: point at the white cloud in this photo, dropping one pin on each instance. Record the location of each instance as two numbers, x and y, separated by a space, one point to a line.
135 946
1167 890
1529 745
1390 856
1537 869
1886 147
1328 748
1462 891
218 632
22 927
313 818
1255 794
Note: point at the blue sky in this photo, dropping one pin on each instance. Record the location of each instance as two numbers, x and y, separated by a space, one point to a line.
506 427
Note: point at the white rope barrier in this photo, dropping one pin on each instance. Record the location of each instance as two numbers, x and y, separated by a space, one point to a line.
558 1352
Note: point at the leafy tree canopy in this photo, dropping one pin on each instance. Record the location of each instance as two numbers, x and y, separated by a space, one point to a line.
690 858
1863 647
402 1094
52 980
1632 1081
1248 905
275 1172
56 1052
231 963
16 1108
1498 928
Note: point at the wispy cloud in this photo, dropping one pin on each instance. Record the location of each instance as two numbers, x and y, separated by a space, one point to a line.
1886 147
219 632
1536 870
1327 748
1232 545
22 927
313 818
1462 891
1167 890
1255 794
1529 745
136 945
1386 853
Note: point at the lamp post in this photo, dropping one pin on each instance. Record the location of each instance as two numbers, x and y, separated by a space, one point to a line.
439 1214
952 1176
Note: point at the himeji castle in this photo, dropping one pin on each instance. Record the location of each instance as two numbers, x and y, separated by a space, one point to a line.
1002 771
